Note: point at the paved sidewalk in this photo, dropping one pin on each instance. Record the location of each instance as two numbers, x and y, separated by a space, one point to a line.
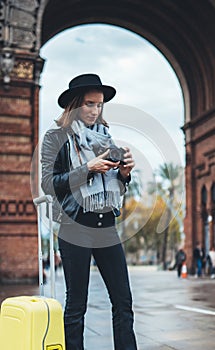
165 317
170 313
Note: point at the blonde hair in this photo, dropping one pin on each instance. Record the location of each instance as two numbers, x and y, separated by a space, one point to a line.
71 112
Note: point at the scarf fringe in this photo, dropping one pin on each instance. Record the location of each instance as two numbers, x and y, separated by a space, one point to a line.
99 201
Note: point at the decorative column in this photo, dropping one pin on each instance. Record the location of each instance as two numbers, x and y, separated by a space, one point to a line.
189 221
20 69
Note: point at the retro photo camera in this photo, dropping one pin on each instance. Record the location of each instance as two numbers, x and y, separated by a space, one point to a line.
116 154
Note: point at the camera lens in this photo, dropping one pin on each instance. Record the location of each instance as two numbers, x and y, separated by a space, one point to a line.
115 154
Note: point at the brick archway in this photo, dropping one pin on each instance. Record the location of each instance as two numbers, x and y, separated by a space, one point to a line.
182 31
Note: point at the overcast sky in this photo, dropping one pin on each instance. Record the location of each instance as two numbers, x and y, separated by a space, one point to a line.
147 111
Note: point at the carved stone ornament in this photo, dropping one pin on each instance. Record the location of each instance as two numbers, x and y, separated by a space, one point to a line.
27 5
18 22
23 70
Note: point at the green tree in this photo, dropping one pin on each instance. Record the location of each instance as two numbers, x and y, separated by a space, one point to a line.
168 186
152 240
134 192
132 235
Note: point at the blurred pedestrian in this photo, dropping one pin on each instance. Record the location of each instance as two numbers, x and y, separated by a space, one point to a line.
211 260
180 260
199 259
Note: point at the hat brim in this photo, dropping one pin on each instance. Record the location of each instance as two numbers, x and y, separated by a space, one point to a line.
66 97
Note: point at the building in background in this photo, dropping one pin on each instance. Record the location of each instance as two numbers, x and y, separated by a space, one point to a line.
184 33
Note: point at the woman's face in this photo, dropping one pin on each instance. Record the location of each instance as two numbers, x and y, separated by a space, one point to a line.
91 107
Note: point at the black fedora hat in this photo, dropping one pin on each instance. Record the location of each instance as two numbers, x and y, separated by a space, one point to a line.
84 82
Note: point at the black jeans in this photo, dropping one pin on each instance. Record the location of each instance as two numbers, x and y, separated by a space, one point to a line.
112 266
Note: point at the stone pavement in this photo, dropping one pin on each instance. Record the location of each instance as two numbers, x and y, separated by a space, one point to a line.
170 313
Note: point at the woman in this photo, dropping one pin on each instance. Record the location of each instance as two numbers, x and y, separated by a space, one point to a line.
78 171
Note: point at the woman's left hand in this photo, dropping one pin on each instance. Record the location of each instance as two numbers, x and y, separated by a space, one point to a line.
125 169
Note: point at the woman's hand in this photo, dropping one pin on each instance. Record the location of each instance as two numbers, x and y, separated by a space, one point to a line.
100 164
125 169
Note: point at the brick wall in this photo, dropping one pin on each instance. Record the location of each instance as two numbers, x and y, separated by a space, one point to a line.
18 258
18 139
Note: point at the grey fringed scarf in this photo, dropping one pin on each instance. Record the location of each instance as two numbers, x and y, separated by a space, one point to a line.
104 191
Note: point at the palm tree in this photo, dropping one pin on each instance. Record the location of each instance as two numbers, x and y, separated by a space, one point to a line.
168 186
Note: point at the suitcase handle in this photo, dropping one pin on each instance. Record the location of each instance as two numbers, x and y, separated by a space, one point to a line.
38 202
47 198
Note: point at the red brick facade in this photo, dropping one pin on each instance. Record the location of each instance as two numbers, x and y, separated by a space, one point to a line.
18 139
200 176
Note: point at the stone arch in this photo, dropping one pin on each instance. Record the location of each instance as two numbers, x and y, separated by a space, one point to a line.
182 30
174 28
168 26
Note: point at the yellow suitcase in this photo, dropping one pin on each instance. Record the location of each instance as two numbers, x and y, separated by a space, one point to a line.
34 322
31 323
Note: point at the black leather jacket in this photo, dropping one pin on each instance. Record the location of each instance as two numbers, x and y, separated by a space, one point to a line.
59 178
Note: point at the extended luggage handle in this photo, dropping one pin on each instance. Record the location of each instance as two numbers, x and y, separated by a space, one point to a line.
38 202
